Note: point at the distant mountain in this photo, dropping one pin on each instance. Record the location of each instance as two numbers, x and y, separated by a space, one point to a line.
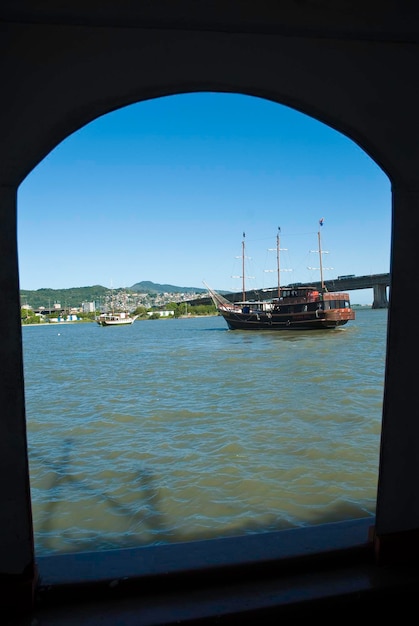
146 286
74 296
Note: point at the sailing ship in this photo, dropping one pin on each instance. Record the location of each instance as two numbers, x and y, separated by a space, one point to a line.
293 307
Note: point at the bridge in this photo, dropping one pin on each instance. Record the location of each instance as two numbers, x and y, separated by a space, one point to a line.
377 282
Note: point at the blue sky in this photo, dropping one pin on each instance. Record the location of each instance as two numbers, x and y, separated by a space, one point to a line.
164 189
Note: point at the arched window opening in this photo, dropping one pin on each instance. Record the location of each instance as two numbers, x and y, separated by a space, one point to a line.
174 428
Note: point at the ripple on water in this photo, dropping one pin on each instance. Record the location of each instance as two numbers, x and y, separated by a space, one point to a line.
185 430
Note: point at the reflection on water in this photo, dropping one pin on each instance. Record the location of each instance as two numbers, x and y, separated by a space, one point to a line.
173 430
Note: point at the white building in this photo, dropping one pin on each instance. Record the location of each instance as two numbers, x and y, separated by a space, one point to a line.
88 307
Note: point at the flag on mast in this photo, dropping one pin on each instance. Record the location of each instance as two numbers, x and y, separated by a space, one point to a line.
321 220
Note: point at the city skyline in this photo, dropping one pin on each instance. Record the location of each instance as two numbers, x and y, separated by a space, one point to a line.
164 190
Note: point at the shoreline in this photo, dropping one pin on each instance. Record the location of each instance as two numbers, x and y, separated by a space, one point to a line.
58 324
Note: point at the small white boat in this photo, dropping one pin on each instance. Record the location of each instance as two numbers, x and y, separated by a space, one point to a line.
116 319
117 311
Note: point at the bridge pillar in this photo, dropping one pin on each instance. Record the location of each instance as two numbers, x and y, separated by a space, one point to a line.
380 297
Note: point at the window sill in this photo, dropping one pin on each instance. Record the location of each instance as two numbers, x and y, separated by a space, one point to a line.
256 577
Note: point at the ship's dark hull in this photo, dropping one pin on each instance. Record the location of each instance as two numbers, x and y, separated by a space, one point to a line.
263 321
296 308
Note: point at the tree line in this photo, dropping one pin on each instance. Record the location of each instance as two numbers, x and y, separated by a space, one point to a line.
180 309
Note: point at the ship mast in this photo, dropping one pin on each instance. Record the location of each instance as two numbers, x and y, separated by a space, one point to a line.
321 256
320 252
320 260
278 250
278 269
243 275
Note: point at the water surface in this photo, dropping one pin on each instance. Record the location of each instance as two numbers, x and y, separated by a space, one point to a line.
174 430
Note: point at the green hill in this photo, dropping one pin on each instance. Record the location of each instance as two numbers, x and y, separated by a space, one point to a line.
147 286
74 296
